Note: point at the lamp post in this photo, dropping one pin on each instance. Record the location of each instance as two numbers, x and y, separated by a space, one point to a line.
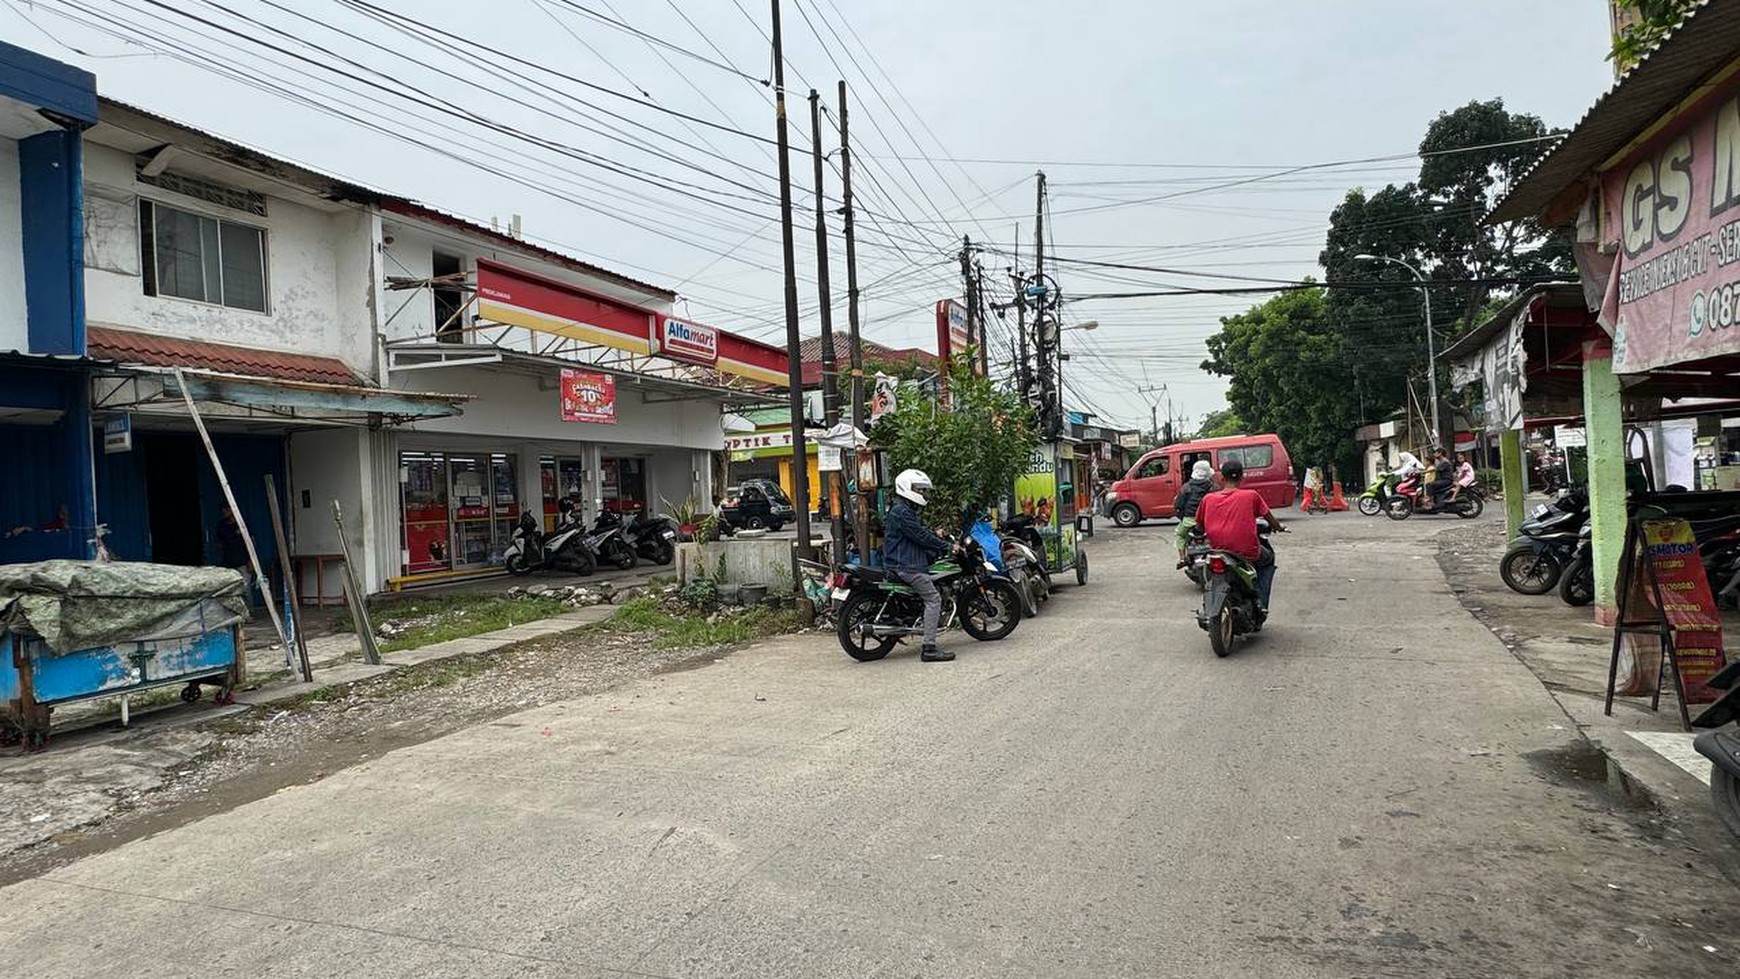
1431 343
1057 339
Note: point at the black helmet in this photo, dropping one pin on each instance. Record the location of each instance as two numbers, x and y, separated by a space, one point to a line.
1233 469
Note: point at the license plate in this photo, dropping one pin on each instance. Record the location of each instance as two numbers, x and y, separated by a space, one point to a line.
1543 508
841 594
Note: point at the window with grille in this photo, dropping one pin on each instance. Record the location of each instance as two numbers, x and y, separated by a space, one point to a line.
198 257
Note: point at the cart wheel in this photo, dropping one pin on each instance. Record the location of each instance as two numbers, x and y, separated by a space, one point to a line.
225 696
190 693
10 736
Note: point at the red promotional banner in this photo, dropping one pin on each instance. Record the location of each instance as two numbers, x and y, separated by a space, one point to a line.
1687 604
588 397
520 298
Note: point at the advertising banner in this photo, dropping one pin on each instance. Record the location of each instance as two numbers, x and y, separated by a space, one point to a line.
588 397
518 298
1674 289
1687 604
1036 495
953 335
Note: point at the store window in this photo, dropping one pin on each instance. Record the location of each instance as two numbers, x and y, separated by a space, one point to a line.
423 490
193 256
459 509
624 485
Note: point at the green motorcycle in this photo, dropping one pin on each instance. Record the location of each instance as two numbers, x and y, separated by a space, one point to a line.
879 609
1378 494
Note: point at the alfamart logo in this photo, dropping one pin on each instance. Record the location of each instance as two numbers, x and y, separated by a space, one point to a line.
690 341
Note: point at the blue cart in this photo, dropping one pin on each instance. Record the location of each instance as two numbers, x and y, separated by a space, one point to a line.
159 631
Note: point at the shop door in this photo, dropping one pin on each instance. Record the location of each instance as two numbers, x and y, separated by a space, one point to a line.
423 492
624 485
172 469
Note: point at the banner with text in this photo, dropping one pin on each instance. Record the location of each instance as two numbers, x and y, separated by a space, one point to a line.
588 397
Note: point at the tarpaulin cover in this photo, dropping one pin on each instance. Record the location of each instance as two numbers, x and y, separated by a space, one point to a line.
73 605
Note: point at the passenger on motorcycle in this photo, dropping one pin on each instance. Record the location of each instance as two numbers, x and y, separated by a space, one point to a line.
1229 520
1442 471
908 550
1189 497
1464 476
1407 465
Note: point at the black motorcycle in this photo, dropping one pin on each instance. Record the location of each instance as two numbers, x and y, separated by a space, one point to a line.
608 544
880 609
1723 747
561 550
653 538
1230 605
1544 545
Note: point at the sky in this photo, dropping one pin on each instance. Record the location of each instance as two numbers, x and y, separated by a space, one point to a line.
638 134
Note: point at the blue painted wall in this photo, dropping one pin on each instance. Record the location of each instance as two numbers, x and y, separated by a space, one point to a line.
68 93
51 210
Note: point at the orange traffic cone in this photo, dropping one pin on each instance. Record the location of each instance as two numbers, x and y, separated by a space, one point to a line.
1337 502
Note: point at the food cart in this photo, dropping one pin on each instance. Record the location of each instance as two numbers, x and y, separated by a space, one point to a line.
73 631
1046 493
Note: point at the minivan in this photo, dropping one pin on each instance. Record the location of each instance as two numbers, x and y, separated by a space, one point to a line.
1148 489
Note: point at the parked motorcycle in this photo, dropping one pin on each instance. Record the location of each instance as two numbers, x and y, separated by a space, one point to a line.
1371 502
1011 565
880 609
608 544
562 550
1577 584
1722 747
1411 492
653 538
1230 606
1545 543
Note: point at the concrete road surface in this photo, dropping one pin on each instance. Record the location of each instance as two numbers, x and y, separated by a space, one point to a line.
1372 787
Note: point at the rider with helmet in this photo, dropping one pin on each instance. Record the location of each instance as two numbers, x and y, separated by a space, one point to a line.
908 550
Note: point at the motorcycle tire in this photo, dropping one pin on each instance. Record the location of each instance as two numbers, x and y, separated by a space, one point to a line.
1399 508
625 559
518 566
859 607
1725 797
1577 585
584 565
1528 573
1081 567
663 553
1370 506
1220 632
1470 508
1000 592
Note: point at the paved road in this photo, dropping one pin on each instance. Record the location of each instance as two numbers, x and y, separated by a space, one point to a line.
1374 787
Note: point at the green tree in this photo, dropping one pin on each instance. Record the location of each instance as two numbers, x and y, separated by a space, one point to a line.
973 449
1222 423
1655 18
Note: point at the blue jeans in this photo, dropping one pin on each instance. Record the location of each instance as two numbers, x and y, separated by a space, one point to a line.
1265 565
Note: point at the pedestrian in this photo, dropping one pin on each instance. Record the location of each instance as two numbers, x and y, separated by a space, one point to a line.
1189 497
909 549
233 550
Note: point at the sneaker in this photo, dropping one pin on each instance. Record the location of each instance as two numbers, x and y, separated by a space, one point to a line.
931 654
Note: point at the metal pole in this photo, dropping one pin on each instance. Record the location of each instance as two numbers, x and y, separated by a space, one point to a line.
800 474
830 373
1432 365
855 351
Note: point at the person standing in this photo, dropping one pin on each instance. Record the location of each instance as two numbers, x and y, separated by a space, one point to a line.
1189 498
908 550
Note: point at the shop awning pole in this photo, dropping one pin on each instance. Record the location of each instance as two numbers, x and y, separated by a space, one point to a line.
230 498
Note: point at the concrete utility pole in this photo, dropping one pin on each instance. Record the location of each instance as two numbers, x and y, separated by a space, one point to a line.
800 474
860 511
1431 345
830 376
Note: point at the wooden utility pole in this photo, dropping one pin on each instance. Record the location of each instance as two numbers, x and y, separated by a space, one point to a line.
830 375
855 350
800 470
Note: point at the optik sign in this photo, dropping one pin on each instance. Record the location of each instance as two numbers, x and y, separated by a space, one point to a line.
688 341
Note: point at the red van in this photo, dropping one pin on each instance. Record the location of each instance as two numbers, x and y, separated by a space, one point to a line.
1148 489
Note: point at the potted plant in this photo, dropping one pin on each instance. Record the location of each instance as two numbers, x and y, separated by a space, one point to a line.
684 514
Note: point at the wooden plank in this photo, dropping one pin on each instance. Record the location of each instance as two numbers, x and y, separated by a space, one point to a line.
287 566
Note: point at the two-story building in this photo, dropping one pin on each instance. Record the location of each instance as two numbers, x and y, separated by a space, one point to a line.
434 376
47 495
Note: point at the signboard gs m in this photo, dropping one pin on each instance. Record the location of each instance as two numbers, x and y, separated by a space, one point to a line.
689 341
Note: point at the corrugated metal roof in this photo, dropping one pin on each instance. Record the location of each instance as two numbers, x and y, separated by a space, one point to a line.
1706 41
1469 345
128 347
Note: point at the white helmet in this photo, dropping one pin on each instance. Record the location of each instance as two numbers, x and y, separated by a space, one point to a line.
912 484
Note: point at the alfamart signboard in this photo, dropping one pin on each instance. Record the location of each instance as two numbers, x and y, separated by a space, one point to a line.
1674 212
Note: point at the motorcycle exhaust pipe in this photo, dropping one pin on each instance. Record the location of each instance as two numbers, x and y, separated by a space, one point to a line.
873 631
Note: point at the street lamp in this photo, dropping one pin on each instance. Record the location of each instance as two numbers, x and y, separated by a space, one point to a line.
1431 344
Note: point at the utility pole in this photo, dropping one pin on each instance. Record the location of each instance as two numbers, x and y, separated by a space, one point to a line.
830 376
1164 437
1045 335
800 474
855 352
984 323
966 257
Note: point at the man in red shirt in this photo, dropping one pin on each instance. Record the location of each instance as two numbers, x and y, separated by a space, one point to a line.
1229 520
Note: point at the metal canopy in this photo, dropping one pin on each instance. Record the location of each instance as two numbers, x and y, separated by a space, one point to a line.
660 380
306 401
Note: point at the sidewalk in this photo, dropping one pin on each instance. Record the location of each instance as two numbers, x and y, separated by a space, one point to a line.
1570 654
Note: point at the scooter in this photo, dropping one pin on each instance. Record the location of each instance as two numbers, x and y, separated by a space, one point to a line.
1195 564
1230 605
607 543
1410 493
880 609
1011 562
1371 502
1722 747
653 538
1544 545
562 550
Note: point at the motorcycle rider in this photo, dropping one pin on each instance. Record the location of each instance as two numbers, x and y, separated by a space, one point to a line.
1229 520
1442 476
1189 497
908 550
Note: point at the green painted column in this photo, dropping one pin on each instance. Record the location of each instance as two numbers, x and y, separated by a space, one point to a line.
1605 428
1510 461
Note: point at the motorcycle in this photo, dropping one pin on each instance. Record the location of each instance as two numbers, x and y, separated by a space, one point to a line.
562 550
1195 564
880 610
1230 605
1009 565
1371 502
1545 544
1723 747
607 543
1470 504
1577 584
653 538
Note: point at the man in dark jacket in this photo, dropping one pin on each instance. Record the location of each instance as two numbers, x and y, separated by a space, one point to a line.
908 550
1189 498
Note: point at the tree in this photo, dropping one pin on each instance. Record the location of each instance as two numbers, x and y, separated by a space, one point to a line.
1652 20
1220 424
972 450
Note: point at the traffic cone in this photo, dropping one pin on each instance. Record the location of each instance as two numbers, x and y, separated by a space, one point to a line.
1337 502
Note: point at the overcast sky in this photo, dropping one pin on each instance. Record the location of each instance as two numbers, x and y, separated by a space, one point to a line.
954 107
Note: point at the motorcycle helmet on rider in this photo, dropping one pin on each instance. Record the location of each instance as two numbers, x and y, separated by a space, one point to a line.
911 485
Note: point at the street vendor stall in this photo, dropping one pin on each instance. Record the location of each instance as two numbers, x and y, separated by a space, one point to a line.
73 631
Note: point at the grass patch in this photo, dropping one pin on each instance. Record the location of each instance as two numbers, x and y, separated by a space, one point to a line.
672 629
438 618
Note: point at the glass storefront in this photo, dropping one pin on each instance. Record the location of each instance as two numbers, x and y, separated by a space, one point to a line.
459 509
